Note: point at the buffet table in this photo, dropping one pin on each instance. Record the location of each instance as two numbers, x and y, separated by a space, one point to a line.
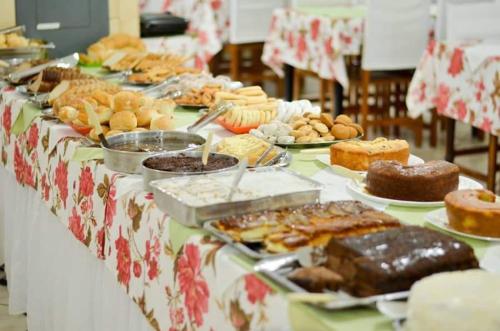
461 81
208 23
88 249
315 39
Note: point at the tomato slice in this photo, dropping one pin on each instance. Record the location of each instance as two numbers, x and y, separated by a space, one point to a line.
235 129
83 130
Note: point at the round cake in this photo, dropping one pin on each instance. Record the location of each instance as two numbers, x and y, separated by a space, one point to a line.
458 301
474 211
429 181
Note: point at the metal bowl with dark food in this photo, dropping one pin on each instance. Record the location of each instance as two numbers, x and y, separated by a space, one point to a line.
127 150
173 164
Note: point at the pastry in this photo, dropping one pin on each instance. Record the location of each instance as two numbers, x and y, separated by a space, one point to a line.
48 78
102 49
246 146
429 181
288 229
460 301
357 155
392 260
474 211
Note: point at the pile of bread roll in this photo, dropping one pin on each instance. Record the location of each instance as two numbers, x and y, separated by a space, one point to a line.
118 110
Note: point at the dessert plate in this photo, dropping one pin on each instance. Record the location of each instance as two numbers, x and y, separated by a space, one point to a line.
439 219
325 159
359 191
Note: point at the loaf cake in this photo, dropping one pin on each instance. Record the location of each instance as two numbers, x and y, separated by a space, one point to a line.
460 301
392 260
358 154
474 211
429 181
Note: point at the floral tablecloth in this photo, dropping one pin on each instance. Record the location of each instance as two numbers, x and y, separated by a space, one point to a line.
181 278
312 41
208 23
445 80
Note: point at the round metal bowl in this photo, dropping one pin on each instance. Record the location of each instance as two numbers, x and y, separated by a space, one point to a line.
149 174
131 162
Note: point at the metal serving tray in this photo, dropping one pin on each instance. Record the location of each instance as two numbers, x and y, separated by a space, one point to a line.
149 174
131 162
278 268
65 62
195 216
252 250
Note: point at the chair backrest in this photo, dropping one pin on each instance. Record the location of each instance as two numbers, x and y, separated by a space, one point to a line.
251 19
396 34
442 15
472 21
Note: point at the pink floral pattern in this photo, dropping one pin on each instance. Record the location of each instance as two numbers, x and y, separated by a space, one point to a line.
312 42
192 284
445 81
179 278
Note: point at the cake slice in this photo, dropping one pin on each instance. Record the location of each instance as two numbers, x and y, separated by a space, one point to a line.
358 154
392 260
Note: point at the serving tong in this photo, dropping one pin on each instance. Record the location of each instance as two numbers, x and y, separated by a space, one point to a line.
204 120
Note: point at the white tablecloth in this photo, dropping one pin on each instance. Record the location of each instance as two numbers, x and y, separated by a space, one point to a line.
53 277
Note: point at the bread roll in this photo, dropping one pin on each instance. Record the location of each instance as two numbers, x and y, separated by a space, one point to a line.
162 122
124 121
126 100
144 116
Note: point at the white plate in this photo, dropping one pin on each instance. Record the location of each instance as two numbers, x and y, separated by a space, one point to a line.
464 184
325 159
439 219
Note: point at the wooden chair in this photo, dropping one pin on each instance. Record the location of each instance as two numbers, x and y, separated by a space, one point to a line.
325 87
395 36
242 63
492 149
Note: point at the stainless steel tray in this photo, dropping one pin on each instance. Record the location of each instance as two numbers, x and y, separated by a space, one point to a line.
196 215
252 250
131 162
66 62
149 174
278 268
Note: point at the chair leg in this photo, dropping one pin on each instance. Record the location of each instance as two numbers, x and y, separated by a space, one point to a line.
234 52
433 128
365 81
492 163
297 84
418 130
450 140
322 93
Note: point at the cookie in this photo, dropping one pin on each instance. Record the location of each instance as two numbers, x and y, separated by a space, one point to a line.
297 133
306 128
298 124
341 131
343 119
326 119
357 127
320 127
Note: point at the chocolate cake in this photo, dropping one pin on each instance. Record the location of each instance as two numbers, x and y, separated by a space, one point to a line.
392 260
429 181
183 163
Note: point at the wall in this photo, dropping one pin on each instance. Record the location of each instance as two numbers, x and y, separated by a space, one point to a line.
123 15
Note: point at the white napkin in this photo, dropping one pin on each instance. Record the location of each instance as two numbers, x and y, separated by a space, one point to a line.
479 53
335 188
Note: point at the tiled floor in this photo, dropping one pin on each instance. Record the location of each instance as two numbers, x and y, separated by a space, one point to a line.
8 322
